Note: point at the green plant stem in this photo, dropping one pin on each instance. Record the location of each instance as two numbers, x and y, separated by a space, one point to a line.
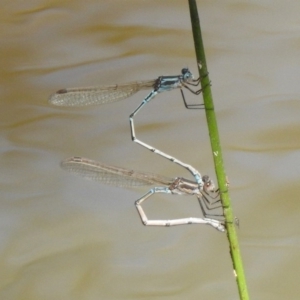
217 154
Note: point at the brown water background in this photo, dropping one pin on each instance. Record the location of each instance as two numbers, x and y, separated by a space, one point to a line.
63 237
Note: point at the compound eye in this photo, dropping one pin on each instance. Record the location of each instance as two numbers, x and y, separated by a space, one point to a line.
184 71
206 179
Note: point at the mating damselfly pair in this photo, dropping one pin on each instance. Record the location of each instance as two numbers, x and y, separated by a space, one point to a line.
203 187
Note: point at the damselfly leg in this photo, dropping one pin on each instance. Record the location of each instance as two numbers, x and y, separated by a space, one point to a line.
193 82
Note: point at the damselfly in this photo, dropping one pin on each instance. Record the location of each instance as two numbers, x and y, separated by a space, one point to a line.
178 186
111 93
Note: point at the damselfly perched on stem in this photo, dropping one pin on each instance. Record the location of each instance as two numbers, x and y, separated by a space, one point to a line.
178 186
111 93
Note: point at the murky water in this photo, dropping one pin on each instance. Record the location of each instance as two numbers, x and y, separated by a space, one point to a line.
66 238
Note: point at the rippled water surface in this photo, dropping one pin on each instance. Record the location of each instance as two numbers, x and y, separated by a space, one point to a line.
66 238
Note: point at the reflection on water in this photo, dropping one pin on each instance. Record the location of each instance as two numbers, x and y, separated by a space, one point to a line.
63 237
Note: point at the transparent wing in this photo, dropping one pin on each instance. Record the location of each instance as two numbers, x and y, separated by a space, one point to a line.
117 176
97 95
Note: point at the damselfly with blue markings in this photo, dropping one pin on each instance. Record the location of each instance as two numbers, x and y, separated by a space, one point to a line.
111 93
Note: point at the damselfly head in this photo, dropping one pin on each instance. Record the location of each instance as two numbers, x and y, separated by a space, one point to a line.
186 74
208 184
